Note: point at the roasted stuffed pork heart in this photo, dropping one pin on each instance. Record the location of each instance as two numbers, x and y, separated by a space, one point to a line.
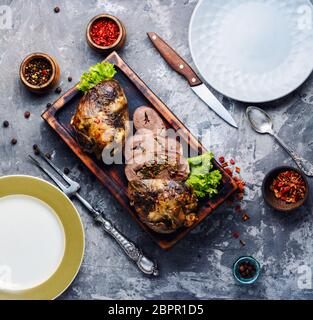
101 121
163 205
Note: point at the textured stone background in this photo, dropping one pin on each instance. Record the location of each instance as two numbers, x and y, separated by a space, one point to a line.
199 267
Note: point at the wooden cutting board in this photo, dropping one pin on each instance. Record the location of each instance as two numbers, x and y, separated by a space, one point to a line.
112 177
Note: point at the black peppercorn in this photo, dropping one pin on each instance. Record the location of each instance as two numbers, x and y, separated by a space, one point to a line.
48 105
6 123
58 90
48 155
13 141
56 9
69 79
26 114
66 170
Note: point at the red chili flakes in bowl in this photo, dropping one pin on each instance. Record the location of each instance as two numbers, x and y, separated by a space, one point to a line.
289 186
104 32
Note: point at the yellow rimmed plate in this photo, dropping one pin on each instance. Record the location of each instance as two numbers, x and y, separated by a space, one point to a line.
41 239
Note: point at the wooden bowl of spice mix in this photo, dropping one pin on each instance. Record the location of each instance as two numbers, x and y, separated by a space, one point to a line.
105 33
285 189
39 72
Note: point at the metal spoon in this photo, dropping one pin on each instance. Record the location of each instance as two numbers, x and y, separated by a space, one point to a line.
262 123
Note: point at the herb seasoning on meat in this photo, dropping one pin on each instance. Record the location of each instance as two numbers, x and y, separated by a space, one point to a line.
38 72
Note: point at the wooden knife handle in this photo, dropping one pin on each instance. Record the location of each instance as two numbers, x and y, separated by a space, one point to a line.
174 60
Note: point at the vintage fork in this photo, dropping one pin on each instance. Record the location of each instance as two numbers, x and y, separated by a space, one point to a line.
146 265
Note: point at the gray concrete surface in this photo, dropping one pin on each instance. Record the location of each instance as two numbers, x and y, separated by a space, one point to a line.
199 267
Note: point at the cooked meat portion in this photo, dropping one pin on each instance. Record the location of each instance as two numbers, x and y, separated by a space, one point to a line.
156 169
165 165
146 141
150 155
147 118
101 121
163 205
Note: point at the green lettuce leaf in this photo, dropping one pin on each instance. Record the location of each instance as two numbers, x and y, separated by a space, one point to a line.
97 73
202 179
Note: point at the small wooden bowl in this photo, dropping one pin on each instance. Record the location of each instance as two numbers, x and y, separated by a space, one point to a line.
119 43
52 82
269 196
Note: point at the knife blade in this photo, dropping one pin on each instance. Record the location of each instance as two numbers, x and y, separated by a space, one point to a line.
198 87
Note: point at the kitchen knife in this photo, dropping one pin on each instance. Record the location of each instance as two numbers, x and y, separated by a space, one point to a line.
182 67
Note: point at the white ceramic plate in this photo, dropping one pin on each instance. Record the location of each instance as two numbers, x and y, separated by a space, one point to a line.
253 50
41 239
32 242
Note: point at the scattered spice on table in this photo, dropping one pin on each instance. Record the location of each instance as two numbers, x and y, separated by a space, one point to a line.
236 234
234 172
289 186
245 217
48 155
38 71
242 243
66 170
228 167
240 183
104 32
247 270
221 160
56 9
58 90
26 114
6 124
69 79
36 150
14 141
